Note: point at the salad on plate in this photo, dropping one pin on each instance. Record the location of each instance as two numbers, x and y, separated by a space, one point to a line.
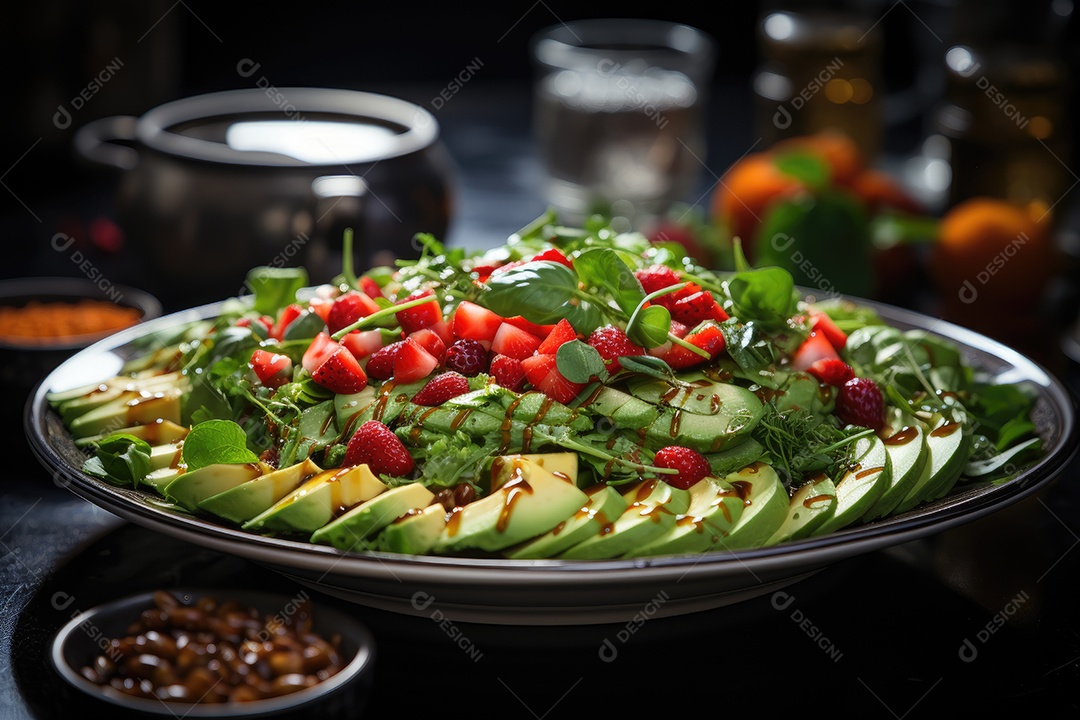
578 393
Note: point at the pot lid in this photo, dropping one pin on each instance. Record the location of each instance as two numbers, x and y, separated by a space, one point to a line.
288 127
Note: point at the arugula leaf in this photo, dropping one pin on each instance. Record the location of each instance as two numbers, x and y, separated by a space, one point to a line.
275 287
213 442
580 362
121 459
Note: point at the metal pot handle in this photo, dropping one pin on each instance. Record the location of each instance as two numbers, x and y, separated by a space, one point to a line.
99 141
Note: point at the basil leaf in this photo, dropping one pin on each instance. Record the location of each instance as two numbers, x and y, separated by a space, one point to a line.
214 442
121 459
603 268
580 362
649 326
542 292
766 294
275 287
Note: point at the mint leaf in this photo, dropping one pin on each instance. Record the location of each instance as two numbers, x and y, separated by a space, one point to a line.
214 442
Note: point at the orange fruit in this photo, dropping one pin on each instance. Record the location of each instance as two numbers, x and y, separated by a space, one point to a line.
745 191
879 191
839 152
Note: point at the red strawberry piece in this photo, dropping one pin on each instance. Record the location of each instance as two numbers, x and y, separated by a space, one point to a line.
362 343
678 329
441 388
514 342
375 445
412 362
831 371
272 369
563 332
468 357
321 306
507 266
540 331
341 373
381 363
558 388
554 255
815 347
825 325
709 338
697 307
430 341
692 465
656 277
860 403
475 322
322 346
442 329
370 287
288 314
508 372
611 342
421 316
349 308
537 367
483 272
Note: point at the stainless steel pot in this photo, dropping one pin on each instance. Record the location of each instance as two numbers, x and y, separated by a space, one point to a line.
215 184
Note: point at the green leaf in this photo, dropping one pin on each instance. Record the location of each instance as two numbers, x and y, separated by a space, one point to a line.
980 468
580 362
647 365
805 167
542 292
649 326
305 327
603 268
213 442
275 287
766 295
121 459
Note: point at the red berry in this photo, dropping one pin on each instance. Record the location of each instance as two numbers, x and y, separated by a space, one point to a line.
508 372
430 341
860 403
691 464
611 342
375 445
349 308
381 363
656 277
441 388
825 325
322 346
515 342
554 255
272 369
370 287
537 368
697 307
412 362
709 338
288 314
420 316
341 373
815 347
468 357
475 322
563 332
831 371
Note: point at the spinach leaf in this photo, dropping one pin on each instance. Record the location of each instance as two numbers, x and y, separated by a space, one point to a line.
121 459
579 362
766 295
213 442
542 292
275 287
603 268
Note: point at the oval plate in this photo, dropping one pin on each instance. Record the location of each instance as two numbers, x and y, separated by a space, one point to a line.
559 592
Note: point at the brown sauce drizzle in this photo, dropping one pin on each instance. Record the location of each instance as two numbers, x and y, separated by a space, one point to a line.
945 430
902 437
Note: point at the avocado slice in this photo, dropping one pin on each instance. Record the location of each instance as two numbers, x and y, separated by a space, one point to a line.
356 528
318 501
192 487
908 456
765 501
861 485
415 532
158 479
624 409
596 517
652 506
563 465
704 415
243 502
715 507
809 507
530 502
158 432
165 455
946 447
129 409
79 401
735 457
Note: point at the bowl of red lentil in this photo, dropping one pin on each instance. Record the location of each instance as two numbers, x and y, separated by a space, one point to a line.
203 653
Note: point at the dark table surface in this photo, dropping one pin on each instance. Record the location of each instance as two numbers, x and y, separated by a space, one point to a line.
978 618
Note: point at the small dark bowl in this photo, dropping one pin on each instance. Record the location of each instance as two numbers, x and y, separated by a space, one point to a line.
343 694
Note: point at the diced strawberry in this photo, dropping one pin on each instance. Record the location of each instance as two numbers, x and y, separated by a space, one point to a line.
381 363
442 329
322 346
831 371
563 332
483 272
413 362
341 373
506 266
508 372
678 329
272 369
474 322
288 314
349 308
441 388
375 445
321 306
558 388
430 341
815 347
656 277
370 287
264 321
540 331
825 325
611 342
697 307
514 342
362 343
709 338
537 367
421 316
554 255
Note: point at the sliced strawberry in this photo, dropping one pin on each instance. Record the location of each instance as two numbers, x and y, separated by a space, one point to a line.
514 342
558 388
507 266
412 362
709 338
554 255
341 373
825 325
430 341
381 363
474 322
288 314
362 343
370 287
537 367
540 331
421 316
272 369
442 329
321 347
656 277
697 307
441 388
831 371
349 308
678 329
563 332
815 347
508 372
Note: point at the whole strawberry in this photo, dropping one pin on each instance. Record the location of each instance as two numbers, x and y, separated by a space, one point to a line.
691 465
860 402
611 342
375 445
